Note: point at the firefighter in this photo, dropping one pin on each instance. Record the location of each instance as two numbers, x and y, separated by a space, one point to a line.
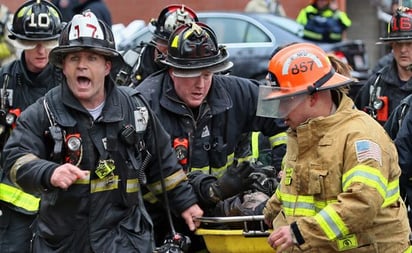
35 29
204 112
340 185
87 146
322 22
149 54
384 90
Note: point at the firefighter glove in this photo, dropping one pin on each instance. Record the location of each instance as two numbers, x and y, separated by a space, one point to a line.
235 180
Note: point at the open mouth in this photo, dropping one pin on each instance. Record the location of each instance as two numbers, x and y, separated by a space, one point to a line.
83 81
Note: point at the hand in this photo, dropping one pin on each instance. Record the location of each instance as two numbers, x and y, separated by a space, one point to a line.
235 180
281 239
189 214
66 174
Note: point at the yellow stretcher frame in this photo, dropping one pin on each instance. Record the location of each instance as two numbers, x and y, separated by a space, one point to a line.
237 240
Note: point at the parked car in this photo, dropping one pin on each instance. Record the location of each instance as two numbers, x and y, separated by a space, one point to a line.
251 39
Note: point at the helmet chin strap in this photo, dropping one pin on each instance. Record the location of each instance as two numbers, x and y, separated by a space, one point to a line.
320 82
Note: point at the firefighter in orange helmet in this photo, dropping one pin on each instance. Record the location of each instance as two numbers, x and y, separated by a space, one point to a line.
340 184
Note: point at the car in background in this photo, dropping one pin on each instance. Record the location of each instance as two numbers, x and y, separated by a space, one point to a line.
251 39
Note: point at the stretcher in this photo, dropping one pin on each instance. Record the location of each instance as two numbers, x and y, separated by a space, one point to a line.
237 234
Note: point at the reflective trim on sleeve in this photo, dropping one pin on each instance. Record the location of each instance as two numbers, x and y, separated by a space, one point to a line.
409 250
300 205
19 198
312 35
217 172
278 139
255 144
392 193
331 223
297 205
335 36
367 175
170 182
18 164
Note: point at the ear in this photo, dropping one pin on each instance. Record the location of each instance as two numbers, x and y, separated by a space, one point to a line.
107 67
313 99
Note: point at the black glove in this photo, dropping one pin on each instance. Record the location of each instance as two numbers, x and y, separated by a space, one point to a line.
235 180
264 180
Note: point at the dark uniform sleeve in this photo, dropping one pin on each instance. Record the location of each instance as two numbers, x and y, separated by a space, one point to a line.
164 166
403 143
25 153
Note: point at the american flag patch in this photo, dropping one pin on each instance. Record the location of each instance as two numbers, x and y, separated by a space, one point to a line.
368 150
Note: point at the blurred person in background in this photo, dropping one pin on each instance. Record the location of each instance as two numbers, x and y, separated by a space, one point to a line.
8 52
149 54
69 8
323 22
385 89
265 6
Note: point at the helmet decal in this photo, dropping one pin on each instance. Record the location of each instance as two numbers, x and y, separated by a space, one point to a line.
85 25
86 31
36 20
400 26
171 18
305 65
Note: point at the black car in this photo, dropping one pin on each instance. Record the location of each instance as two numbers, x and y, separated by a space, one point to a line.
251 39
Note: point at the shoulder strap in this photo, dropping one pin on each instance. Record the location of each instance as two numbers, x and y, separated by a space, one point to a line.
375 90
404 108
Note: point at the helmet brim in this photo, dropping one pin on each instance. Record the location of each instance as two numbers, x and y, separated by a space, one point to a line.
224 66
337 80
57 54
388 40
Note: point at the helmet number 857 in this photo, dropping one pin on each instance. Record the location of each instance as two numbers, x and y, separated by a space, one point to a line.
43 20
302 67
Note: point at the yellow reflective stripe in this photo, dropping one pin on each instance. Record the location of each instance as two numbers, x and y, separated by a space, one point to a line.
217 172
18 164
335 36
255 144
392 193
19 198
278 139
170 182
331 223
85 180
104 184
132 185
298 205
366 175
408 250
312 35
249 158
343 18
149 197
